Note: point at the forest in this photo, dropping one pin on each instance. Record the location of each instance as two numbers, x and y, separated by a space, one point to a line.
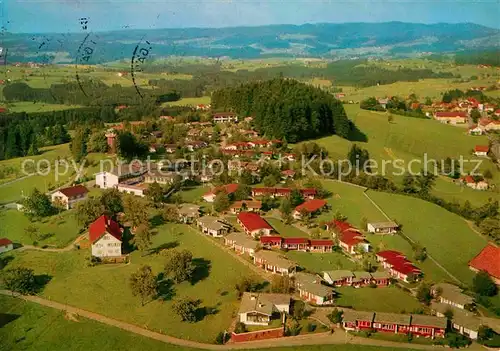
491 58
286 109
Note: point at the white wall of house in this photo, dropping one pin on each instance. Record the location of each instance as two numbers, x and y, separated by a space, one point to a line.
209 197
131 190
107 246
243 319
6 248
106 180
67 202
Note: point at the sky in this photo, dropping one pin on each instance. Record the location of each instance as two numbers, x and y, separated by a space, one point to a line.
43 16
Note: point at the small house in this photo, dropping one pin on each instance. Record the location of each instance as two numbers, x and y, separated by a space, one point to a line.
488 260
351 241
6 245
188 213
299 244
392 322
213 226
68 197
228 188
357 320
361 279
382 227
241 243
321 245
105 235
309 206
311 290
481 150
451 295
274 262
338 278
271 241
246 205
428 326
260 309
253 224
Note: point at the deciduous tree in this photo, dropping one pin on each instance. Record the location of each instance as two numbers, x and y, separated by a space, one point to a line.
143 283
20 280
186 309
179 265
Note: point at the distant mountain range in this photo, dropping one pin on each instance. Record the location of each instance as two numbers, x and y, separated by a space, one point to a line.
325 40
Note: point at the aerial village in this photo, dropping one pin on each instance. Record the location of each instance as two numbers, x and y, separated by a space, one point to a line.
238 217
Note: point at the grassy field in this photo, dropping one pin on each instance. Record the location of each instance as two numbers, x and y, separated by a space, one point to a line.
194 194
318 262
286 230
27 106
190 101
104 289
446 236
27 326
388 299
56 231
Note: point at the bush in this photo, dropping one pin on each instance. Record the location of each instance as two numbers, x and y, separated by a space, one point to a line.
222 338
457 341
311 327
240 328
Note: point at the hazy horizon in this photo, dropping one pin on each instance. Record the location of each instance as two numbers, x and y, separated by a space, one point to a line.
62 16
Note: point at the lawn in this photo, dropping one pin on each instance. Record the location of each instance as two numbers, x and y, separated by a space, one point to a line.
388 299
190 101
28 106
286 230
446 236
28 326
56 231
349 201
318 262
194 194
104 289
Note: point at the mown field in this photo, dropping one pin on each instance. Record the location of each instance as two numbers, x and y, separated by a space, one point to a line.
446 236
104 289
28 326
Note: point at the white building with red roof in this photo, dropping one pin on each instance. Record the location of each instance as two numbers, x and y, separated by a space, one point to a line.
253 224
471 183
488 124
451 117
228 188
350 241
398 265
6 245
488 260
481 150
68 197
105 235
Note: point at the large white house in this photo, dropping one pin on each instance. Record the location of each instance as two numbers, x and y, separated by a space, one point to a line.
68 197
106 237
111 179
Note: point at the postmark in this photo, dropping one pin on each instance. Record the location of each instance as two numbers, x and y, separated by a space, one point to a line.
141 53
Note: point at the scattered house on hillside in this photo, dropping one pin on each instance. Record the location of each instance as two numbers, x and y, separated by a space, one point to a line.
246 205
213 226
260 309
338 278
111 179
475 130
105 235
274 262
311 207
451 295
352 241
299 244
321 245
253 224
487 124
398 265
311 290
6 245
488 260
271 241
225 117
451 117
481 150
133 187
241 243
228 188
188 213
68 197
472 183
383 227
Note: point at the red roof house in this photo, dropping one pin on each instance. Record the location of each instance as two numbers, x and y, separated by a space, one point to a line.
310 206
253 224
350 240
481 150
300 244
398 265
270 241
68 197
321 245
6 245
488 260
105 236
228 188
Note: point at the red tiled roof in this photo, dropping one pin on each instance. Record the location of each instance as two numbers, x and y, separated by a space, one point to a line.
351 238
295 241
405 268
481 148
456 114
252 221
229 188
102 225
311 205
270 239
74 190
5 242
308 191
341 225
468 179
488 260
321 242
390 255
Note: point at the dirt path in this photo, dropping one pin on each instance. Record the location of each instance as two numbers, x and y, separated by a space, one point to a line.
64 249
339 337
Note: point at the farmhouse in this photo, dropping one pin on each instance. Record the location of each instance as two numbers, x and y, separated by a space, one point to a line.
451 117
270 241
471 183
398 265
225 117
259 308
338 278
241 243
311 290
351 241
487 260
253 224
6 245
105 236
274 262
451 295
310 206
246 205
300 244
228 188
68 197
481 150
213 226
188 213
382 227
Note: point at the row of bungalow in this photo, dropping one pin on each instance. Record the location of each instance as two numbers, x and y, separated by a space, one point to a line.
356 279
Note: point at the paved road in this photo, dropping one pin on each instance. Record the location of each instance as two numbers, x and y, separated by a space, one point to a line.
339 337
